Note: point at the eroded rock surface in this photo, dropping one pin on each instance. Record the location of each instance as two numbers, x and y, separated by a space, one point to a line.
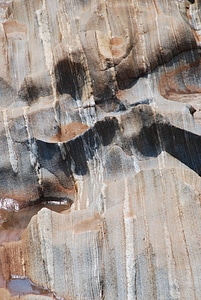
100 110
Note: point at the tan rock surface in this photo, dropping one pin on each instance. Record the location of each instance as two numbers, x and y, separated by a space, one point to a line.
100 111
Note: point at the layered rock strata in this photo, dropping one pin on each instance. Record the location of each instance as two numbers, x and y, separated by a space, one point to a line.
100 110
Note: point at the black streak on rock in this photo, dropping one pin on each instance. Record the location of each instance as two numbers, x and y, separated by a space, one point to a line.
70 78
181 144
83 148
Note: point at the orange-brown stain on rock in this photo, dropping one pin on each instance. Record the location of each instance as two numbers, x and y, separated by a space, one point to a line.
118 46
69 131
15 29
116 41
169 84
90 224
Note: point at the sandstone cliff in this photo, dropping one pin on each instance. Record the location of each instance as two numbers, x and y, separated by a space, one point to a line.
100 111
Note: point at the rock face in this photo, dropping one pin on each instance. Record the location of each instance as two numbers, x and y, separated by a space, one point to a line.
100 110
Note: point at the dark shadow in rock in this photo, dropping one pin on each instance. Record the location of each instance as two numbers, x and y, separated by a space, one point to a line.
83 148
155 136
128 74
106 129
104 91
70 78
147 142
34 87
78 156
111 105
78 150
181 144
50 158
146 101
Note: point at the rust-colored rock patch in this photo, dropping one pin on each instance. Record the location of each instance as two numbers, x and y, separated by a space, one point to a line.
69 131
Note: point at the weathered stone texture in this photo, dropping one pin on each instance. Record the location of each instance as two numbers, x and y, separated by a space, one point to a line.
100 108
